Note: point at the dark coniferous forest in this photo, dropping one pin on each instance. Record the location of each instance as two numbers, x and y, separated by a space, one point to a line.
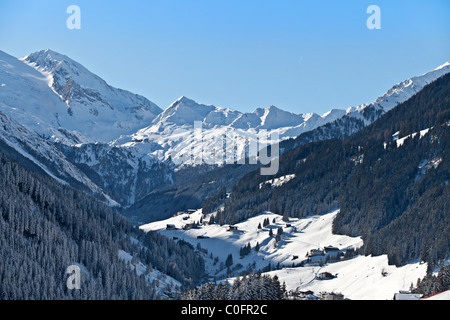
46 226
249 287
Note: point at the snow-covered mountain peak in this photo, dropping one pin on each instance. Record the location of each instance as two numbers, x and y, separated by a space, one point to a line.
62 68
336 113
94 108
273 108
183 111
27 97
274 118
49 59
184 100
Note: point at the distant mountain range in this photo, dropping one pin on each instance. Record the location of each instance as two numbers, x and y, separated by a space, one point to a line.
121 146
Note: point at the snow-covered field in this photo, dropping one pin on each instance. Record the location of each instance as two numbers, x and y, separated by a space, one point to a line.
277 182
359 278
356 278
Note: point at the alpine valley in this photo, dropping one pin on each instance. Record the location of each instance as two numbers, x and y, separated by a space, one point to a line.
363 190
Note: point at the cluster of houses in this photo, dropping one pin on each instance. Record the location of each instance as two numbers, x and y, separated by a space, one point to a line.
318 257
194 225
401 295
315 256
187 226
322 252
189 211
325 276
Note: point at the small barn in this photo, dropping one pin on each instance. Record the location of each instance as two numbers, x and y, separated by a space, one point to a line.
315 253
325 276
331 249
189 226
331 296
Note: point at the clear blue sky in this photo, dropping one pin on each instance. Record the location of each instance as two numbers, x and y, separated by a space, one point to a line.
302 56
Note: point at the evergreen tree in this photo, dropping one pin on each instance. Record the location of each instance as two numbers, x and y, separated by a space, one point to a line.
229 261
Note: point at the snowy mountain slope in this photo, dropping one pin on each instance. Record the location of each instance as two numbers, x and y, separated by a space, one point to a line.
31 94
172 132
84 108
185 111
400 92
356 118
358 277
124 174
101 112
297 240
46 156
26 97
60 99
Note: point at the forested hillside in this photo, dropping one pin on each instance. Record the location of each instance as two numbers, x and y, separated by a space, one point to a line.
186 192
46 227
249 287
390 181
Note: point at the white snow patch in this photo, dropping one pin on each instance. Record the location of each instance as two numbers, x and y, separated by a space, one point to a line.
278 182
401 141
360 278
297 239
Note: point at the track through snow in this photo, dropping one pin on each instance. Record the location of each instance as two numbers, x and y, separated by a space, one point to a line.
358 278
